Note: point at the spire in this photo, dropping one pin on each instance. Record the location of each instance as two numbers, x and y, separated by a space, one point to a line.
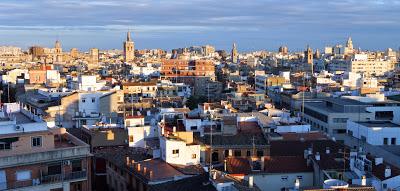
128 36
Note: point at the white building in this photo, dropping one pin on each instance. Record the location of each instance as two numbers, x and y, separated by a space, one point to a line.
12 76
53 77
89 83
138 132
88 108
375 132
179 149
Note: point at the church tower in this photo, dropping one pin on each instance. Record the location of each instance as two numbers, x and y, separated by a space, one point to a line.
234 53
129 48
58 51
308 55
349 44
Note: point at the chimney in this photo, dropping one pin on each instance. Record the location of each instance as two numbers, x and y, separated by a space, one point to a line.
262 163
328 151
317 156
388 172
225 165
378 161
297 184
305 154
363 181
251 182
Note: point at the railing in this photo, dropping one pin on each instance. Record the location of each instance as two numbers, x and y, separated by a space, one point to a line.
63 177
38 157
50 179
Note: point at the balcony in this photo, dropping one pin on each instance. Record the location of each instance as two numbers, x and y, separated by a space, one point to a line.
47 156
50 179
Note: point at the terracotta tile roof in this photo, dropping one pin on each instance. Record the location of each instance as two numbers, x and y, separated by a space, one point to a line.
195 183
305 136
296 148
286 164
355 188
379 171
238 166
331 162
249 127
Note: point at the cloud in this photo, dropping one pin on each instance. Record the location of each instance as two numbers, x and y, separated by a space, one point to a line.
222 21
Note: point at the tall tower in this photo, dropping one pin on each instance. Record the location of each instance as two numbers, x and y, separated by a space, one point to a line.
58 51
94 56
349 43
234 53
308 55
129 48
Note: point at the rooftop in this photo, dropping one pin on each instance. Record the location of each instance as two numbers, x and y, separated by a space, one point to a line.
372 124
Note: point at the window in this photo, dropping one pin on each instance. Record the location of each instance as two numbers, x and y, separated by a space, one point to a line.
130 138
54 168
260 153
237 153
248 153
340 120
5 146
23 175
226 152
284 178
300 177
76 165
193 128
37 141
93 99
385 141
83 100
393 142
175 151
193 156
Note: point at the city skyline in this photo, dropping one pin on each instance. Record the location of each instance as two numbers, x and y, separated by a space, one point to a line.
252 25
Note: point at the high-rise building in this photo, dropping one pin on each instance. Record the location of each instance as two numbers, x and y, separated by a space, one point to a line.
234 53
129 48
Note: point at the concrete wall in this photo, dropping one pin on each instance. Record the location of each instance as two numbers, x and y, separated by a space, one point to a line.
374 136
274 182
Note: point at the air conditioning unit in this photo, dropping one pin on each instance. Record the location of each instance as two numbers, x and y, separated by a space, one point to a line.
18 128
67 163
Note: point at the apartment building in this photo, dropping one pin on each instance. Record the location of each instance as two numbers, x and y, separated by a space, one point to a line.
331 114
35 157
361 63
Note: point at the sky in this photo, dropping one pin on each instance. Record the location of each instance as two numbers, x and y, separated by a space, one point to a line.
167 24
